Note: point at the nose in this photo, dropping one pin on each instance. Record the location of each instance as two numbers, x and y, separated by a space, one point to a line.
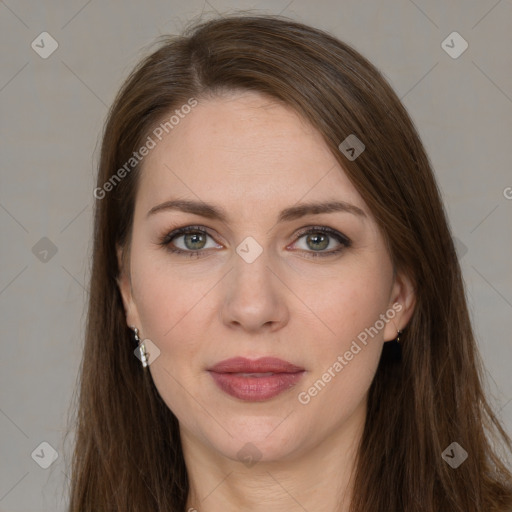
255 298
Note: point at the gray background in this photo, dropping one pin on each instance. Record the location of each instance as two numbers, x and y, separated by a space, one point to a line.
52 113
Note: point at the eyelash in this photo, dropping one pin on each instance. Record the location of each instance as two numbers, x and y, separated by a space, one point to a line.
345 242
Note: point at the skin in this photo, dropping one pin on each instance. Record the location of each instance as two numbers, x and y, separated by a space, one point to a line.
254 157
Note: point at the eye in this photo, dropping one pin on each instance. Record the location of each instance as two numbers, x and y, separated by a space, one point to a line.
321 241
189 240
313 241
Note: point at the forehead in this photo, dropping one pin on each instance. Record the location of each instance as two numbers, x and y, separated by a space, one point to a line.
245 149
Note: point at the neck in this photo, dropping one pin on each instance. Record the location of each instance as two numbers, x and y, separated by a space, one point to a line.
319 478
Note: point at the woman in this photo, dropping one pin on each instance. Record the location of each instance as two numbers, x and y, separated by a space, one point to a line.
271 244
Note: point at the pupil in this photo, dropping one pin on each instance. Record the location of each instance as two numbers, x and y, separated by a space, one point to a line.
192 239
319 239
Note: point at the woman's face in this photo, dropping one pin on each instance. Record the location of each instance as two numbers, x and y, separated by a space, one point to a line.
267 270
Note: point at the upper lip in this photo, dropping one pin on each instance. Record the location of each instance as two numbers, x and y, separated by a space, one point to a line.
261 365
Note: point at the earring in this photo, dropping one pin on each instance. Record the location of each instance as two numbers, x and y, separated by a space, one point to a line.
142 348
392 349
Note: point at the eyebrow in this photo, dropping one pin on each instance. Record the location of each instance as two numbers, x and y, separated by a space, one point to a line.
211 211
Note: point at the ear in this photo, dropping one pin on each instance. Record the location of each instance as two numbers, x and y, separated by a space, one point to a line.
125 287
403 300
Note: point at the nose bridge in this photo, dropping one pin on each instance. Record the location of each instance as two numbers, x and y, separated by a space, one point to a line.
253 298
252 275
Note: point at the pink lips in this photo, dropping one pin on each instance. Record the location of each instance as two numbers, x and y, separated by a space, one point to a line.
255 380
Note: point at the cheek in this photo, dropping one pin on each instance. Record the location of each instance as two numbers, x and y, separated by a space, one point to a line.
344 363
175 311
349 336
168 307
163 296
347 302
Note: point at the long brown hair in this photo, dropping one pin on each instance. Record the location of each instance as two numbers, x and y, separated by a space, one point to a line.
128 454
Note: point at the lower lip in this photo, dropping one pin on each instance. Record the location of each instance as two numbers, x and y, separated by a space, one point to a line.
255 389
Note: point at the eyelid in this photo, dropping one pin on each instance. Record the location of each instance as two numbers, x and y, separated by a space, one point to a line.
183 231
325 229
342 239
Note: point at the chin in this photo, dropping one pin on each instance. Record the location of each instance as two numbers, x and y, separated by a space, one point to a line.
257 439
